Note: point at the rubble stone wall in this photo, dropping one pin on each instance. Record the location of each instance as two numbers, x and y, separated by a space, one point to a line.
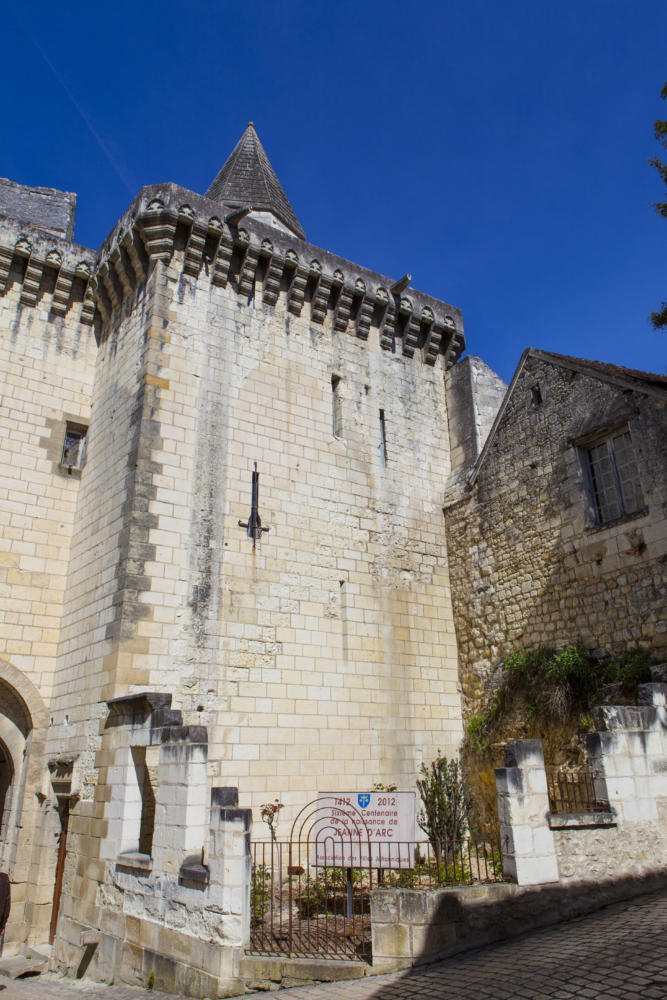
528 563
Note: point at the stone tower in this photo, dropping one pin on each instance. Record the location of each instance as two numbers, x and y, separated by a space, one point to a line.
297 622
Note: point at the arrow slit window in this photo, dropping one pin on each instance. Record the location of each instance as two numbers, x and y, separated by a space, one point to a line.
383 440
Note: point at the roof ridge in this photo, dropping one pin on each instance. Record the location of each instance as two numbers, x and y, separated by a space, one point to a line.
603 366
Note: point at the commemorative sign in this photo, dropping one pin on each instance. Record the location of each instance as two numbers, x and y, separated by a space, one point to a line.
364 829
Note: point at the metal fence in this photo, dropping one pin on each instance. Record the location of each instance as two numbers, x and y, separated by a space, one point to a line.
576 791
303 904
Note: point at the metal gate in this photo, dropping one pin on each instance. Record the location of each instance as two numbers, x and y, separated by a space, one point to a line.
310 896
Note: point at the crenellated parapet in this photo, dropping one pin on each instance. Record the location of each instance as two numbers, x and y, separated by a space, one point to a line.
41 263
263 264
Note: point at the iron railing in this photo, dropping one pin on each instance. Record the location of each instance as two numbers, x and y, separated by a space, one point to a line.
303 904
576 791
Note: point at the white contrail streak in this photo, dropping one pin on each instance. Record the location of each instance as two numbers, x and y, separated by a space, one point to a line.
124 178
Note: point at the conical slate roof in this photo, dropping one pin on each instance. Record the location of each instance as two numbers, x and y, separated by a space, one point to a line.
247 178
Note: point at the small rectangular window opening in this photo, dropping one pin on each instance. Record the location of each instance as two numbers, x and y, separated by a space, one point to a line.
383 441
336 408
616 490
74 447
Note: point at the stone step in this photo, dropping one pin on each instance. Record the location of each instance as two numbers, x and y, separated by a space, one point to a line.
25 966
264 973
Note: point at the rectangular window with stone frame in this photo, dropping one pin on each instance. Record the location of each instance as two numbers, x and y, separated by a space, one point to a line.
613 477
74 447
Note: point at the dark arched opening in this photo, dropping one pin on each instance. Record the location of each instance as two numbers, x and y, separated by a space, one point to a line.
6 780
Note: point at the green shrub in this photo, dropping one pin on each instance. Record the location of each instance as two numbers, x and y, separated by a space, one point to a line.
446 801
476 732
260 894
516 666
635 670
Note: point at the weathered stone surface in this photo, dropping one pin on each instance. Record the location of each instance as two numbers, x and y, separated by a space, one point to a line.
46 208
530 565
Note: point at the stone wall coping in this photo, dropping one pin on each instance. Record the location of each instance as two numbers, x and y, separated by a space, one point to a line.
564 821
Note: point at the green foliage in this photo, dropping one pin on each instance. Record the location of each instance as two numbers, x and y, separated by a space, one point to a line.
454 871
545 694
403 878
150 982
495 864
586 723
446 801
516 666
659 318
260 894
476 732
635 670
326 893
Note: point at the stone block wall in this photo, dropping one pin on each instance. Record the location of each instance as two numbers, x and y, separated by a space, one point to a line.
474 395
528 563
46 208
173 909
339 619
47 362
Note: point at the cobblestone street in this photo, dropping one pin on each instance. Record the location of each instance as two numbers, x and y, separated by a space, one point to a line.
618 953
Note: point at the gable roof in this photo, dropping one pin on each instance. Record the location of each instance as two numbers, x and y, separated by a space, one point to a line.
649 383
600 369
247 178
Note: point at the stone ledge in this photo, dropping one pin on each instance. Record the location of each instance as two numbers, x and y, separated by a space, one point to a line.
192 870
263 972
569 821
135 860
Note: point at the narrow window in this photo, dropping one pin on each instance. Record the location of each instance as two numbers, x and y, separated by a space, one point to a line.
616 490
145 765
383 440
336 408
74 447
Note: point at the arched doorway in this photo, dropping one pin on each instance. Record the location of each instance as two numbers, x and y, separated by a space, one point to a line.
26 851
15 732
6 783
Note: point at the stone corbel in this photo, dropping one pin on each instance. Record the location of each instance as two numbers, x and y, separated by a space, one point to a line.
320 302
194 250
6 258
248 272
431 336
158 229
31 281
365 312
274 273
62 292
297 290
118 264
344 303
223 259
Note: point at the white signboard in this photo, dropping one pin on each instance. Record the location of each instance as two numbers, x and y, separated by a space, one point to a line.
364 829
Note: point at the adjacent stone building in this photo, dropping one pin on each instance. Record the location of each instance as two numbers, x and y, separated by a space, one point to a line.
558 530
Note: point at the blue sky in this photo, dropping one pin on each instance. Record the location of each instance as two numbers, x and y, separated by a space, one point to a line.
497 152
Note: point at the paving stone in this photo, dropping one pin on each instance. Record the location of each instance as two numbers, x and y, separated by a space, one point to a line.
617 953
